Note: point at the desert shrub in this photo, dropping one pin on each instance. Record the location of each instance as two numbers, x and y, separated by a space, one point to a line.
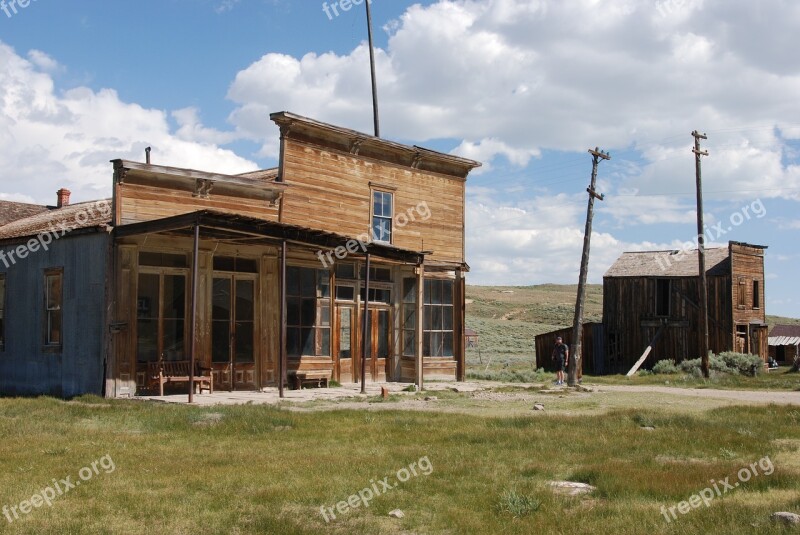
665 366
741 363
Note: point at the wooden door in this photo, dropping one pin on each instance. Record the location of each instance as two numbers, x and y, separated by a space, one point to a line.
233 332
344 345
379 343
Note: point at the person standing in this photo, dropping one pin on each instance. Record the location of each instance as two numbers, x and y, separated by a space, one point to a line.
560 356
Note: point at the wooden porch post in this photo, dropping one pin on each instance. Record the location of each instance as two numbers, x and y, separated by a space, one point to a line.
460 312
418 368
282 336
193 330
365 325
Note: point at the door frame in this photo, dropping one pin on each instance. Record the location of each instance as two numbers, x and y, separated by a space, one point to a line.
232 384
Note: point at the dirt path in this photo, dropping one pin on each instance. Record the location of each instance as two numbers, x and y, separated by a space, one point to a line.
746 396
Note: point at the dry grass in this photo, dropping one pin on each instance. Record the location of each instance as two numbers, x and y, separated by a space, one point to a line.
255 469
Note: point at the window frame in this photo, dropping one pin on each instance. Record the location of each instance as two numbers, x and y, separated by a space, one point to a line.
428 306
321 301
47 344
373 216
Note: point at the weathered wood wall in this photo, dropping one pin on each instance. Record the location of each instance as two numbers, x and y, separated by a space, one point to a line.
629 316
592 348
26 367
331 190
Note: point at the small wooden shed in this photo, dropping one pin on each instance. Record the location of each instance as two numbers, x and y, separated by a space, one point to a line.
784 343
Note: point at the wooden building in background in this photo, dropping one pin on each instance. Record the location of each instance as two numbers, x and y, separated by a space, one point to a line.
650 293
784 344
247 272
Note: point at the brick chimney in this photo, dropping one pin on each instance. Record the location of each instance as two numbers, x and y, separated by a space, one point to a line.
63 197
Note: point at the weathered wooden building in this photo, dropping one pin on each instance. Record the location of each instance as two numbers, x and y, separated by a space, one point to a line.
256 276
593 349
657 293
784 344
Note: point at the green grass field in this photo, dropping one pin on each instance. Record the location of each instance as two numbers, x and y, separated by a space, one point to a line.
255 469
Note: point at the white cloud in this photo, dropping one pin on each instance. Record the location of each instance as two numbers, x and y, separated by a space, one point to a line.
53 139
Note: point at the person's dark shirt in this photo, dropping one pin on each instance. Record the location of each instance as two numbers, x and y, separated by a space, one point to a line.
560 351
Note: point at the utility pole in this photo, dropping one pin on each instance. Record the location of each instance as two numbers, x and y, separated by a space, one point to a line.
577 326
701 255
372 71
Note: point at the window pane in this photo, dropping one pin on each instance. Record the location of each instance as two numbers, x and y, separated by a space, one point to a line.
345 293
221 299
345 271
447 345
147 340
220 341
436 344
244 342
307 341
325 342
308 313
325 316
409 343
163 260
54 292
54 327
345 325
245 294
447 292
409 317
428 291
447 318
293 344
173 339
436 292
426 345
324 283
308 284
174 296
409 290
293 281
436 318
293 306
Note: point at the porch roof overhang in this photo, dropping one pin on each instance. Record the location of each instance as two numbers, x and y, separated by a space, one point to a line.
231 227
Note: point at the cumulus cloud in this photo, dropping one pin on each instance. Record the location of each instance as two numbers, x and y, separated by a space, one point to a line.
55 139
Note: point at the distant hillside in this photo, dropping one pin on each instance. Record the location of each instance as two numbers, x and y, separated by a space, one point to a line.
507 318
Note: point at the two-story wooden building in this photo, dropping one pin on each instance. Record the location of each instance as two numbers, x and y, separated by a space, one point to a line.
648 292
256 275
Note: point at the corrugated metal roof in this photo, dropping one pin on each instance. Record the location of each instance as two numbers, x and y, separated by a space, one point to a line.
786 330
669 263
784 340
69 218
13 211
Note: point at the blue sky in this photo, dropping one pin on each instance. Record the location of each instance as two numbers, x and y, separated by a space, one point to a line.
524 86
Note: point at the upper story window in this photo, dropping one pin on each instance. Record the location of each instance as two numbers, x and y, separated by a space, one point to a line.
53 310
382 213
756 294
663 297
2 312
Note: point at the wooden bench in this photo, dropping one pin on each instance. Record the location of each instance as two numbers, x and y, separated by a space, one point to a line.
165 372
320 377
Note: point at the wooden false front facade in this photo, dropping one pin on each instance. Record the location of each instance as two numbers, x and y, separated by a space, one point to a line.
648 292
337 198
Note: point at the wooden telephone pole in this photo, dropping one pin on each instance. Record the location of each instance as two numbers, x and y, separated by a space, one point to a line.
701 255
376 120
577 327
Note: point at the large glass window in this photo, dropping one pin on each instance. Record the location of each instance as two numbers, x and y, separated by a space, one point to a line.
2 312
53 314
308 321
382 216
438 318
